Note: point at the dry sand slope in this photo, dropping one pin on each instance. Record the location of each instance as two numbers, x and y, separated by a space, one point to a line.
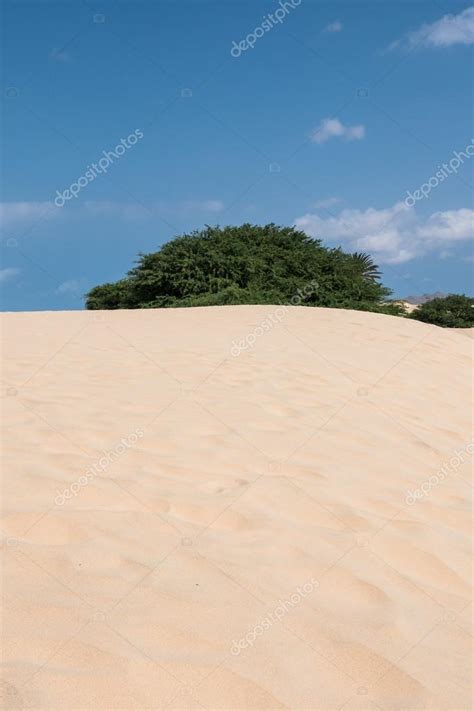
246 541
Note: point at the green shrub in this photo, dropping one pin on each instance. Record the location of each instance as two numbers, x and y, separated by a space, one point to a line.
107 296
453 311
249 264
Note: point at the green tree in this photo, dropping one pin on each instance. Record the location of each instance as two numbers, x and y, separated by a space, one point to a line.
453 311
367 265
249 264
107 296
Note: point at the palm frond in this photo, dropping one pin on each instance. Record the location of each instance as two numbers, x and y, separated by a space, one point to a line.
368 268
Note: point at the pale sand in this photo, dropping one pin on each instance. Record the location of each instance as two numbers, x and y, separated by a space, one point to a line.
255 474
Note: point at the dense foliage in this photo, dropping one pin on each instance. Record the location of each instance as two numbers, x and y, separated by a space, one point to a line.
247 265
453 311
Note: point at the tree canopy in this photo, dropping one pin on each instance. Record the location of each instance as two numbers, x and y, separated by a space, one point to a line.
453 311
249 264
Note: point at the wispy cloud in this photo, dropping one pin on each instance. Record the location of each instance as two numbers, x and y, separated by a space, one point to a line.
335 26
71 287
326 202
136 210
112 208
445 32
17 214
203 205
333 128
60 55
13 213
8 273
392 235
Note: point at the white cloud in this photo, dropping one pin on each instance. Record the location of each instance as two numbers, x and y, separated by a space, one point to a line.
392 235
214 205
204 205
9 273
13 213
105 208
445 254
335 26
447 31
449 226
71 286
111 208
326 202
60 55
333 128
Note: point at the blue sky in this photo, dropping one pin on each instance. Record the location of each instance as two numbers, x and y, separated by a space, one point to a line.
335 116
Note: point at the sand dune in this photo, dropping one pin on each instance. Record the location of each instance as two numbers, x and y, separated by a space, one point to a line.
226 508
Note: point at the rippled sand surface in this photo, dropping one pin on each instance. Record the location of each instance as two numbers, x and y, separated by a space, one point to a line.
235 508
